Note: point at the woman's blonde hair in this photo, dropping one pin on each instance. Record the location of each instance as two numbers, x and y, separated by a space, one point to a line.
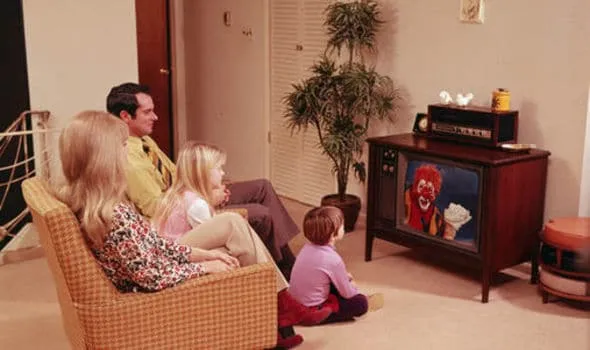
93 160
193 173
320 224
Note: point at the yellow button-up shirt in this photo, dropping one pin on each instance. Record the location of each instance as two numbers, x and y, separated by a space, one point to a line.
145 186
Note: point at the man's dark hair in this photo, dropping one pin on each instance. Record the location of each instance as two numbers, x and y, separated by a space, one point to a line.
122 98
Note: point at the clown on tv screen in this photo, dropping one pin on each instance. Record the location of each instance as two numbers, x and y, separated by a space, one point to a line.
440 200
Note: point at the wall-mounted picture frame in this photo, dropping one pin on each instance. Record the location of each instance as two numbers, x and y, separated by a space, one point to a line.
471 11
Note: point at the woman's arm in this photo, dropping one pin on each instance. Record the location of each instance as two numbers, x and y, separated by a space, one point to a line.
203 255
144 261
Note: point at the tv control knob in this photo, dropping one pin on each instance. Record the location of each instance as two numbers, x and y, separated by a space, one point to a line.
385 167
391 168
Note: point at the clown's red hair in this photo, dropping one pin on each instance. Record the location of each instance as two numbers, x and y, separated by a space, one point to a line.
430 174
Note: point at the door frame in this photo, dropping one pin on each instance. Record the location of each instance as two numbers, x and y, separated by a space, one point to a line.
178 70
148 65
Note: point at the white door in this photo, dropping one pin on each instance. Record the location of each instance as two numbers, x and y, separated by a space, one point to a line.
298 169
227 72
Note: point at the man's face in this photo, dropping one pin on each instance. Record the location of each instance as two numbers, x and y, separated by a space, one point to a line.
145 117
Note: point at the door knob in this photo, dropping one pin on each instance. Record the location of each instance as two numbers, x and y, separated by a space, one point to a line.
164 71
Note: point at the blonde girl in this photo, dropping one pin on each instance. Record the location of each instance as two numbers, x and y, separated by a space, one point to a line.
186 214
195 188
186 203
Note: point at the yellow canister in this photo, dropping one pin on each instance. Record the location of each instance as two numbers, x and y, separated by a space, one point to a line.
501 100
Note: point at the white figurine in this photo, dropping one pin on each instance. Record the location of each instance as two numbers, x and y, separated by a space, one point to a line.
445 97
464 100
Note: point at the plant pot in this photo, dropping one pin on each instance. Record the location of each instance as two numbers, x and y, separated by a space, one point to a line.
351 206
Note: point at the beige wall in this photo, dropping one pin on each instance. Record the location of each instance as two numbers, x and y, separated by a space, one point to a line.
538 49
585 187
76 51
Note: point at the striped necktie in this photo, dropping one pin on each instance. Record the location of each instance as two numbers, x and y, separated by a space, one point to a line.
153 155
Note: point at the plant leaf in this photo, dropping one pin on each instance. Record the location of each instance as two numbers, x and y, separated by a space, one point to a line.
360 171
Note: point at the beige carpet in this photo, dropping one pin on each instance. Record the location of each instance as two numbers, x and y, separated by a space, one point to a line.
428 305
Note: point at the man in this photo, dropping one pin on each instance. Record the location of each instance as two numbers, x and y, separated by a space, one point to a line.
150 173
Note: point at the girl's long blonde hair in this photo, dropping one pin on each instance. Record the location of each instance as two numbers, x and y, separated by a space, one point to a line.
193 173
93 160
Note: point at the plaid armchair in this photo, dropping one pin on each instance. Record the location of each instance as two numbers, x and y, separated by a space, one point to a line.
234 310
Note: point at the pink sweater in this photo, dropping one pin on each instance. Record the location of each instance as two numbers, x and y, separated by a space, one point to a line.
316 267
186 215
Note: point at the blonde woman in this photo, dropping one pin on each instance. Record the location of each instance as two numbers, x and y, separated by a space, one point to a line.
130 251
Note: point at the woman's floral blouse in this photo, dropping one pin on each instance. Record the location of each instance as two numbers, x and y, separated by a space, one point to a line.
137 259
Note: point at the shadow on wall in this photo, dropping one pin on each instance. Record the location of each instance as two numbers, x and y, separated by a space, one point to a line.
383 59
528 124
403 119
386 37
558 171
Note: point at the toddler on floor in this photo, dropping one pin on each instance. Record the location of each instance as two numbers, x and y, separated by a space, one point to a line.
319 278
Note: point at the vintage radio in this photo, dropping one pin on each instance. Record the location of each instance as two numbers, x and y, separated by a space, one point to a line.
476 125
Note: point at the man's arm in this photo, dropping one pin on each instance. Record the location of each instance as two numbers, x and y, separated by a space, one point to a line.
143 189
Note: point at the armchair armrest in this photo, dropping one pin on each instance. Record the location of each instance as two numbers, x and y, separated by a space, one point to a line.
233 310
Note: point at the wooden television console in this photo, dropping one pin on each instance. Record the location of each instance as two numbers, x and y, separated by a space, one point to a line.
511 202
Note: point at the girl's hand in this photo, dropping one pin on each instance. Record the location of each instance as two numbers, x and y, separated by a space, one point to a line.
226 258
220 196
216 266
226 194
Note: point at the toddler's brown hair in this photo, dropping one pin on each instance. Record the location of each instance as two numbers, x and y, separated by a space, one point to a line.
321 223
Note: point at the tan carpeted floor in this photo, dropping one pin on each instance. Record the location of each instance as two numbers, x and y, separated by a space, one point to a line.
428 305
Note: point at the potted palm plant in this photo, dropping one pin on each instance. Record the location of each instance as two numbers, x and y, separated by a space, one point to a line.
342 96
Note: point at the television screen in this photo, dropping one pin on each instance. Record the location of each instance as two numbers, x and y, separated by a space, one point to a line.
440 200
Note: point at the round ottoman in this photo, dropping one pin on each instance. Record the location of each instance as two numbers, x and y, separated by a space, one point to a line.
564 259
